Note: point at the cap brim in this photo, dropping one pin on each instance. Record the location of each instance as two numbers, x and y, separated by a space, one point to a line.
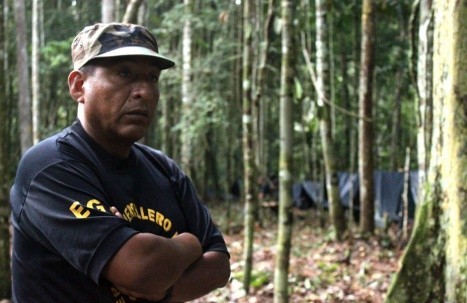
160 60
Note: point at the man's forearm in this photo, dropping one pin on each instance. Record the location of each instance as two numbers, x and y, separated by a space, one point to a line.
147 265
211 271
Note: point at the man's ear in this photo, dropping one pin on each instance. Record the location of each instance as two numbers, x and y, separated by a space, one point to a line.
76 85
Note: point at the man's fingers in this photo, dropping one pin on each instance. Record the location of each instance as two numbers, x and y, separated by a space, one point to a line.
115 211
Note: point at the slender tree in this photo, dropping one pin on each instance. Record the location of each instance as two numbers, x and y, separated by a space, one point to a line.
258 94
131 12
24 101
365 125
108 11
400 86
5 281
187 91
4 106
434 265
35 71
424 89
324 114
250 191
284 237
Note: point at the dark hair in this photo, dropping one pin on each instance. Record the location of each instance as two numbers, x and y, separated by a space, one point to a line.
88 69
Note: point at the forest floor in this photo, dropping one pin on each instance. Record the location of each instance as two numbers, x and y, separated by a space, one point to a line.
322 270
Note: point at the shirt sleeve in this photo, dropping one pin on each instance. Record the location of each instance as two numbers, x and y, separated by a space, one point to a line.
66 210
199 220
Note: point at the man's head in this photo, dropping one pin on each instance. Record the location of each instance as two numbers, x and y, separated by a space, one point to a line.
115 82
113 40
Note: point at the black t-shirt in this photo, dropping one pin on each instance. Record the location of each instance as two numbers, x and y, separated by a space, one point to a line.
64 232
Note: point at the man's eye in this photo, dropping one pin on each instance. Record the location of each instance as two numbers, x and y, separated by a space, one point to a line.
124 74
154 78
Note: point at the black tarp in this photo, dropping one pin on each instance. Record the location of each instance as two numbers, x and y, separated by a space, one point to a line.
314 190
388 187
308 194
388 195
349 184
301 198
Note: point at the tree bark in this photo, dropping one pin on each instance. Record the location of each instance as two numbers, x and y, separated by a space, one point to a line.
365 125
262 115
4 105
249 166
35 71
5 273
434 265
108 11
400 87
131 12
284 237
324 114
187 91
424 88
396 125
24 101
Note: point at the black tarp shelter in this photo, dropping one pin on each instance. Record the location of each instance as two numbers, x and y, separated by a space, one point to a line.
388 188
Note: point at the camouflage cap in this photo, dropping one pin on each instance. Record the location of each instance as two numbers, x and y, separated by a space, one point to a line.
113 40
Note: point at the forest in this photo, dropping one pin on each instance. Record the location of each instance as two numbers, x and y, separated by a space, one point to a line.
328 138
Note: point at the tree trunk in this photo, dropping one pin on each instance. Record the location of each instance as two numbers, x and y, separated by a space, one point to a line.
131 13
35 71
263 59
143 14
5 273
211 171
365 125
434 265
4 106
284 237
349 120
405 197
24 101
400 87
251 199
350 132
108 11
323 82
187 92
168 139
424 86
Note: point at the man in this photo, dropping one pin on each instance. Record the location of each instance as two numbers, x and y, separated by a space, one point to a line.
98 217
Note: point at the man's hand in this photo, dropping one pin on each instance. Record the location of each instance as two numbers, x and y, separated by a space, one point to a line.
115 211
209 272
133 295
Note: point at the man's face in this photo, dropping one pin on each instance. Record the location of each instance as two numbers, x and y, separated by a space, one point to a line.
120 97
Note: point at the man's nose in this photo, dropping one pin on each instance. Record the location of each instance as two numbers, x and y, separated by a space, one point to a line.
144 89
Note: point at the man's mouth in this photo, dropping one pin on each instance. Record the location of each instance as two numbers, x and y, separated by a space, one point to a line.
139 112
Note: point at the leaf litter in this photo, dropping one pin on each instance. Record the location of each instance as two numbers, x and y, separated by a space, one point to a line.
321 270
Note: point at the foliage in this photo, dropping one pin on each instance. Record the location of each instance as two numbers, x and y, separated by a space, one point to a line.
56 55
215 26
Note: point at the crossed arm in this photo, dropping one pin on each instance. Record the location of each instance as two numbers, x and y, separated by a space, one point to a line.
147 265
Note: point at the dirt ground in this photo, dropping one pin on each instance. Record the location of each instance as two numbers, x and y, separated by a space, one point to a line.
358 269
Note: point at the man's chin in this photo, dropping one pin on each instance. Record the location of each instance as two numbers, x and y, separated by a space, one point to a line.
134 133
